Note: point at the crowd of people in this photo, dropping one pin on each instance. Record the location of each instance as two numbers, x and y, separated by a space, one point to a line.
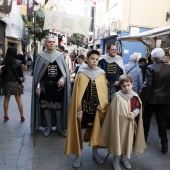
113 103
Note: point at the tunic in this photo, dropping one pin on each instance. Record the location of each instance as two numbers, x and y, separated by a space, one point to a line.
120 133
74 142
113 66
52 95
41 65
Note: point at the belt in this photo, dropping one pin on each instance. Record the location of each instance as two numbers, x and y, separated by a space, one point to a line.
50 82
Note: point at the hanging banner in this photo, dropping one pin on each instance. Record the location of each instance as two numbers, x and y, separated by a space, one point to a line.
46 2
7 6
30 7
66 23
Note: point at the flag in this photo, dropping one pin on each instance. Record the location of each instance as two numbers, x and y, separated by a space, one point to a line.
7 6
30 7
46 1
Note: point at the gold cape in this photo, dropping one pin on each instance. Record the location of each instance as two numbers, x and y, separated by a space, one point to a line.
121 134
74 142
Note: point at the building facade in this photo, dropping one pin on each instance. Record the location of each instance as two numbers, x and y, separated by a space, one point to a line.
14 28
115 18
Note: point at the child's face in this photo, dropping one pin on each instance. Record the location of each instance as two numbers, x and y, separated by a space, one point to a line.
93 61
80 61
126 87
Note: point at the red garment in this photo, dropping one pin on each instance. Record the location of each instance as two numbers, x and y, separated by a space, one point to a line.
134 103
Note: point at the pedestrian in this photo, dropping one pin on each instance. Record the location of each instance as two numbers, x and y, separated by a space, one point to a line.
12 75
142 62
66 58
149 61
81 63
28 60
50 90
112 64
88 106
120 130
135 72
156 93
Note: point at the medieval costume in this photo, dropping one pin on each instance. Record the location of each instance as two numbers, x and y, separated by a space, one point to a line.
96 81
49 68
113 66
119 132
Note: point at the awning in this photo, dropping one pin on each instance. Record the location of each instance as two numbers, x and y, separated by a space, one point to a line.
147 35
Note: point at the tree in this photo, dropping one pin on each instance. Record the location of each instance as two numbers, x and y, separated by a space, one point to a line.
77 39
29 23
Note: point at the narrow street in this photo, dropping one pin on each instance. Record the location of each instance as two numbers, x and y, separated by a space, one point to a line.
22 150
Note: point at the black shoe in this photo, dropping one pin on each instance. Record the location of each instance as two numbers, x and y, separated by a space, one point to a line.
164 148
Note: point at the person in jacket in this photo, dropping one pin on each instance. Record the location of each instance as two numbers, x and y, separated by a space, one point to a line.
81 63
66 58
135 72
142 62
88 106
50 90
112 64
12 75
156 93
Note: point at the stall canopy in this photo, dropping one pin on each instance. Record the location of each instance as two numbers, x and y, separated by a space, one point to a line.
147 35
66 23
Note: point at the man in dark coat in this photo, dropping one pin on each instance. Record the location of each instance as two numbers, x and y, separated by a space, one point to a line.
50 90
156 93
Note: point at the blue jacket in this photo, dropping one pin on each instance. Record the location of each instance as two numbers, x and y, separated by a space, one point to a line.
136 73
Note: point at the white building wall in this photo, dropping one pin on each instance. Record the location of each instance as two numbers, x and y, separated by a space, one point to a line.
14 29
14 22
145 13
136 13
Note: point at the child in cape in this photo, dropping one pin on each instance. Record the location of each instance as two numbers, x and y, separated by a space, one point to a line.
120 130
88 106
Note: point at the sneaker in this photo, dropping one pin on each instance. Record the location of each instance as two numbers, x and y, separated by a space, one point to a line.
61 132
125 162
77 162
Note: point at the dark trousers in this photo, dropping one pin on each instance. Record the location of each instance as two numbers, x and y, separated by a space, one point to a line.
160 112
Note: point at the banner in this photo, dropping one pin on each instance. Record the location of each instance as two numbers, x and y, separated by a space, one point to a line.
46 1
7 6
66 23
30 7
